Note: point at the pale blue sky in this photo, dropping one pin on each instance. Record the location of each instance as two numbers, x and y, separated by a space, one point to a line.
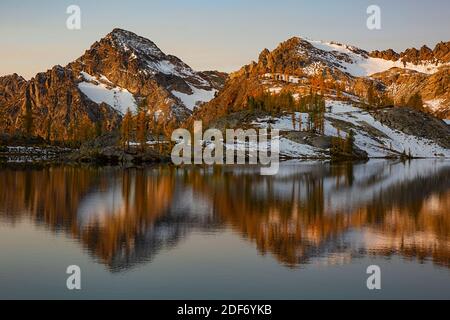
209 34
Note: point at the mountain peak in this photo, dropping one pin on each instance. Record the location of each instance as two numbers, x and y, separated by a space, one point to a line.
128 41
12 76
121 31
294 39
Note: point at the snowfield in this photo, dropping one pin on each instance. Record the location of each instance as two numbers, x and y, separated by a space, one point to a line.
168 68
363 66
388 142
394 142
288 148
102 91
198 96
155 60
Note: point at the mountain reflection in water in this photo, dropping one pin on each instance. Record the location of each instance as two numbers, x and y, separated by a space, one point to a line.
310 213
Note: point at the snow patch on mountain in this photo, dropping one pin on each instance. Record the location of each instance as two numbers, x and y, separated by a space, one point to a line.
129 41
361 65
393 141
197 97
389 142
288 148
153 59
275 90
293 149
103 91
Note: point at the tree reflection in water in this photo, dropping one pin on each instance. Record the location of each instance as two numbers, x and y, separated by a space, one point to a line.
308 213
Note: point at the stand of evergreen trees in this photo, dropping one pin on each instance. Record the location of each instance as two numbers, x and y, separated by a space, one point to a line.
342 146
313 104
138 128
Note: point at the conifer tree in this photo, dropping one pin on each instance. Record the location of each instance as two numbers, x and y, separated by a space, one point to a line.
142 105
415 101
371 99
142 129
126 129
349 141
98 128
293 120
28 118
49 130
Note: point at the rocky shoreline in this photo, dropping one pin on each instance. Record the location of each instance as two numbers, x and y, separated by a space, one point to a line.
117 156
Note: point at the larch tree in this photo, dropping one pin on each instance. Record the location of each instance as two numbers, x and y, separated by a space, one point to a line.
349 142
49 129
28 117
126 129
415 101
142 129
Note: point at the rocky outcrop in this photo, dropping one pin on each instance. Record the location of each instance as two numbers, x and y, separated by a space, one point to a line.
12 92
106 149
324 143
442 51
413 122
216 78
10 87
385 54
402 84
55 105
440 54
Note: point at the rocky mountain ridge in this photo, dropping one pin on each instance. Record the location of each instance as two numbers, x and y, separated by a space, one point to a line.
338 71
440 54
124 71
121 71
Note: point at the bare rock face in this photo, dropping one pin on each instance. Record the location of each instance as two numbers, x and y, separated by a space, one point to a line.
440 54
442 51
216 78
415 56
12 89
385 54
402 84
10 86
55 104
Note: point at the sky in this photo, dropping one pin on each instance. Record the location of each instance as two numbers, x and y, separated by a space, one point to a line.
210 35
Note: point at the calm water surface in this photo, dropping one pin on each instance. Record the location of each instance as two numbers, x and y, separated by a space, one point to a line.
222 233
